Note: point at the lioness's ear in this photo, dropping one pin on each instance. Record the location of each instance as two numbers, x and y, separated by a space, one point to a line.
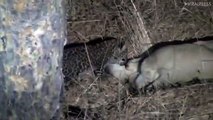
133 77
152 75
155 75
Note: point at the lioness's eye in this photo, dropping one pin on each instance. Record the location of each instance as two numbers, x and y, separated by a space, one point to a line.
123 62
115 57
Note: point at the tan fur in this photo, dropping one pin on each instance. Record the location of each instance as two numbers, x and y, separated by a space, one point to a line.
179 63
168 65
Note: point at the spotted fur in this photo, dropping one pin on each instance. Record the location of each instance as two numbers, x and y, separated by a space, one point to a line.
76 60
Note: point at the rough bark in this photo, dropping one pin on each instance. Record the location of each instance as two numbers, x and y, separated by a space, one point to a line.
31 48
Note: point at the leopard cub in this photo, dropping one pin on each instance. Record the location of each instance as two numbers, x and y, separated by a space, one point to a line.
90 57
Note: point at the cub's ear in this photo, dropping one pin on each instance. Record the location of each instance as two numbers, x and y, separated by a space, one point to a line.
121 44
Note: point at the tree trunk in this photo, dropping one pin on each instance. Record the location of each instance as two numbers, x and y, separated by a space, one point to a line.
31 47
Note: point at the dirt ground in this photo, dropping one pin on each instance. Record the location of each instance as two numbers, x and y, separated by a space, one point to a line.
143 23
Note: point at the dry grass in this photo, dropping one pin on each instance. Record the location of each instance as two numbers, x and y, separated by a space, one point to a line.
142 23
